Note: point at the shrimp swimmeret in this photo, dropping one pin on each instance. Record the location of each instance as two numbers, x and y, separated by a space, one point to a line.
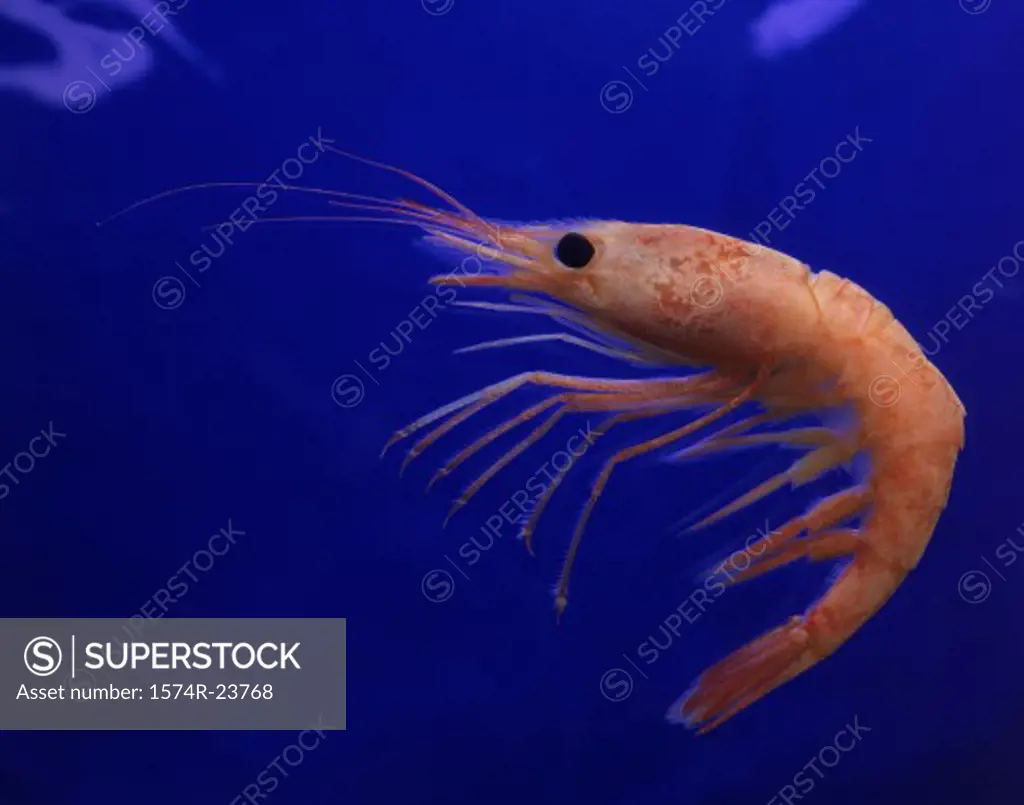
774 334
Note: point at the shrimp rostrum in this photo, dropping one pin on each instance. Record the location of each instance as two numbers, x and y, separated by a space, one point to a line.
764 340
770 335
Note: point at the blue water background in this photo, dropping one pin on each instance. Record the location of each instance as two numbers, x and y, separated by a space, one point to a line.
179 420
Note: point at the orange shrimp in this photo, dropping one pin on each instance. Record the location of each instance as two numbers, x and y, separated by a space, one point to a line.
774 334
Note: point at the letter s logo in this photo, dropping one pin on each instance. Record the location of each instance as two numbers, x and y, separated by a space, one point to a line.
168 293
42 656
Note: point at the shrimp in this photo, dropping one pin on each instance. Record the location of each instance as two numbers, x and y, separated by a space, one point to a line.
772 333
761 329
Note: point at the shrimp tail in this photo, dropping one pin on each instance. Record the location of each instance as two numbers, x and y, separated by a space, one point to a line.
745 676
776 657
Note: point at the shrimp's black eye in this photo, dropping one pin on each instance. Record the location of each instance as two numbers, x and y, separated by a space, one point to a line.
574 250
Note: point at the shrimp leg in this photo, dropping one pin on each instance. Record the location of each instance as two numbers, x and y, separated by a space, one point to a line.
485 396
565 338
826 513
797 437
526 533
815 464
654 404
818 547
562 590
572 401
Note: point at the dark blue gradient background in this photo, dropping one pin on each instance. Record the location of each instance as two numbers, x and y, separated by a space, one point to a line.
178 420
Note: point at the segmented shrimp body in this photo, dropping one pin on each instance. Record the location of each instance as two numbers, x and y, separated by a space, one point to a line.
909 423
775 335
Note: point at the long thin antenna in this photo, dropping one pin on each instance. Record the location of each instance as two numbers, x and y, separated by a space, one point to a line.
297 188
442 194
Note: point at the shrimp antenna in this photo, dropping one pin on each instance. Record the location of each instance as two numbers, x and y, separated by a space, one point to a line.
429 228
433 188
404 206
